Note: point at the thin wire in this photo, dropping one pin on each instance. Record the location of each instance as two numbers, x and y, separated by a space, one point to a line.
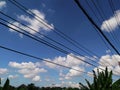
95 28
90 19
42 35
32 37
98 18
38 58
70 40
116 17
50 45
56 30
94 13
46 43
27 12
100 11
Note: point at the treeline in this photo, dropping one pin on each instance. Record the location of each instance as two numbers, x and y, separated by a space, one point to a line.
31 86
101 81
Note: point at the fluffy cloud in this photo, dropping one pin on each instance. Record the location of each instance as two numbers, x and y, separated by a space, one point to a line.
23 65
67 84
73 73
112 23
36 79
33 23
68 61
28 69
108 60
2 4
3 70
112 62
12 76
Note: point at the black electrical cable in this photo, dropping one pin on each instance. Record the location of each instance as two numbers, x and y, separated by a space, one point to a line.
48 44
95 28
38 58
116 17
57 31
102 14
90 19
41 34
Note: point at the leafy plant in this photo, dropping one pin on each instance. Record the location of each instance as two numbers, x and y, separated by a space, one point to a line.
102 81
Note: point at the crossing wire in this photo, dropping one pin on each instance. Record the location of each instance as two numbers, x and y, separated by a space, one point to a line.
24 9
36 38
95 28
38 58
102 14
56 30
42 35
50 45
116 16
90 19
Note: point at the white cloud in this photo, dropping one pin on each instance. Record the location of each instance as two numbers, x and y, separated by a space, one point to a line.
2 4
72 73
112 62
33 23
116 70
67 61
36 79
28 69
67 84
50 65
108 60
13 76
27 65
30 73
112 23
3 70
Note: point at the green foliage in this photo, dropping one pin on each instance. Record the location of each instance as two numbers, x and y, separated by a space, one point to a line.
102 81
116 85
31 86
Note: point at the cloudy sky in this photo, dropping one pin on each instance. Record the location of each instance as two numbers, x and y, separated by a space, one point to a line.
44 20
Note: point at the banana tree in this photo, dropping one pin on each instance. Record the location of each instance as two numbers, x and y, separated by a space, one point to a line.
102 81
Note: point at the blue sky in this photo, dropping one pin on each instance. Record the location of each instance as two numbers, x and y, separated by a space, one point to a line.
66 17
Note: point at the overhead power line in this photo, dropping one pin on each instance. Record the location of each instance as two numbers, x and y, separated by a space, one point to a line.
90 19
109 26
44 23
43 35
57 48
95 28
55 30
36 38
38 58
100 11
111 3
